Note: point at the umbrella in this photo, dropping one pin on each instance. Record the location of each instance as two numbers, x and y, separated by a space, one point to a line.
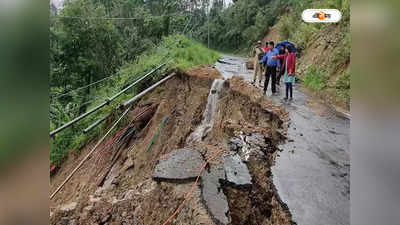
284 43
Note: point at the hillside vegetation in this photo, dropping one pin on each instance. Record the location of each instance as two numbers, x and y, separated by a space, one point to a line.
99 47
177 51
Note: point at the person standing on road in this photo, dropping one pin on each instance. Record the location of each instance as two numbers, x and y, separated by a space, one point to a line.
289 59
266 47
281 65
258 53
271 65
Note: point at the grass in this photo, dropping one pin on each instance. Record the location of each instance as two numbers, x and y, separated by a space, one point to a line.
315 78
343 85
177 50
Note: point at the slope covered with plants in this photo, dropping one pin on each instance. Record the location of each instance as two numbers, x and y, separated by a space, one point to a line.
99 47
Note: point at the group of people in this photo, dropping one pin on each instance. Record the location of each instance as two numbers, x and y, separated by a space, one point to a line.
273 64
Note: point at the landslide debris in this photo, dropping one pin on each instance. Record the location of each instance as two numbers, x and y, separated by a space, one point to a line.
146 187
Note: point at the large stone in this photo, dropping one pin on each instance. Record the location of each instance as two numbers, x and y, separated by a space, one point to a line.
236 171
213 196
181 164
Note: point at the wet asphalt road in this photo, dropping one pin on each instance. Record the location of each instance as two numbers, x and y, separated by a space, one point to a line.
312 172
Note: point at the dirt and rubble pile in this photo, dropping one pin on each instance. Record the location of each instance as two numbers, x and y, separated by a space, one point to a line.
243 139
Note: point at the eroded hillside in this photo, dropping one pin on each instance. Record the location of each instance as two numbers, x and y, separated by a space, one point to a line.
224 136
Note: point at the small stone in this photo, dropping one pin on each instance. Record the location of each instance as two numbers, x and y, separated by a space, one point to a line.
69 207
105 218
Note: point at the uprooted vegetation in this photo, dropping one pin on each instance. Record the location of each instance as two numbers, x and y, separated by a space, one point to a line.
246 130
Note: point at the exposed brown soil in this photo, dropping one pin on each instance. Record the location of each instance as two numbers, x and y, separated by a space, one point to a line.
204 72
273 35
130 195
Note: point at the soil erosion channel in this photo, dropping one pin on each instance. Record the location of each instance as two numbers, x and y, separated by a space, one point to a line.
312 172
194 118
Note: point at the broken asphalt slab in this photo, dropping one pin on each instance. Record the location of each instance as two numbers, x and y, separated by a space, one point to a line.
181 164
213 196
236 171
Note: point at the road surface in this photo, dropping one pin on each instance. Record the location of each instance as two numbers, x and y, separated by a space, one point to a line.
311 174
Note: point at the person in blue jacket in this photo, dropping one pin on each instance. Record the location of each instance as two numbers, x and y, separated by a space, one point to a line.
271 65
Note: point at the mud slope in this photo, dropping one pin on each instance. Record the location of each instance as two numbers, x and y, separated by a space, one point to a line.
245 126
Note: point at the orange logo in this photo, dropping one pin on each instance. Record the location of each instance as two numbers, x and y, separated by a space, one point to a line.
321 15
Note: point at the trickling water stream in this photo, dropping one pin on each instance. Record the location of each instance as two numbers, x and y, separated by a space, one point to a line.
209 113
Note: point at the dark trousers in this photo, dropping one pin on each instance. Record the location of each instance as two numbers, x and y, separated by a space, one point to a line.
270 72
278 77
289 89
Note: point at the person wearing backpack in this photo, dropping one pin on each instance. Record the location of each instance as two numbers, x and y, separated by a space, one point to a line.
258 53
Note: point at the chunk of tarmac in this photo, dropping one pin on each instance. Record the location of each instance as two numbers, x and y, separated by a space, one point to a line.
213 196
237 173
181 165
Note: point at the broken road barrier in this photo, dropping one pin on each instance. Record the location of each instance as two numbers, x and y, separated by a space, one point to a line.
95 124
107 102
137 97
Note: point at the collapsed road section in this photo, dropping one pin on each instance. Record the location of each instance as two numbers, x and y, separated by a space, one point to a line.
212 144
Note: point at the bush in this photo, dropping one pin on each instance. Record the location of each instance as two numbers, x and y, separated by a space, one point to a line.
285 27
303 34
315 78
343 85
341 55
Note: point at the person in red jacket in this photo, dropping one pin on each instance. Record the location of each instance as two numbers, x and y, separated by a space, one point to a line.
289 68
266 47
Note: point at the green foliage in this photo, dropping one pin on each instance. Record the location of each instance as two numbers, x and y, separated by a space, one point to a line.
303 34
286 26
315 78
294 29
177 50
343 85
85 48
240 25
341 55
